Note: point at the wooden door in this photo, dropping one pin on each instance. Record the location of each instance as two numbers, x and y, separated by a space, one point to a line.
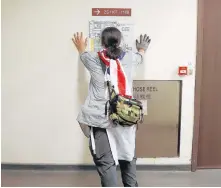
207 133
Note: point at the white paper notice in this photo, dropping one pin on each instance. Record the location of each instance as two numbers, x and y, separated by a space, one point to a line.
96 27
144 103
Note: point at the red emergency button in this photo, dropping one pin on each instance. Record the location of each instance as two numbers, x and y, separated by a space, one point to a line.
182 71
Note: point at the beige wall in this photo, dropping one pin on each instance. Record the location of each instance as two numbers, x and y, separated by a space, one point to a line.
42 87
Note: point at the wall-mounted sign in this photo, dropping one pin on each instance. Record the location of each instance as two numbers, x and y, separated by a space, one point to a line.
158 136
111 11
96 27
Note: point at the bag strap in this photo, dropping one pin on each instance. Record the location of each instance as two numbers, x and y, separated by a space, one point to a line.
109 89
104 68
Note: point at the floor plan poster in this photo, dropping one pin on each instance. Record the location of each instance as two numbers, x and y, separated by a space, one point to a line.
96 27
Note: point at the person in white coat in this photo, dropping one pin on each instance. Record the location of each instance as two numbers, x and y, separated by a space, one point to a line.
109 145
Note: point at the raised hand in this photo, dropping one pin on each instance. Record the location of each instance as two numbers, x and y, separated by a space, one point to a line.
144 43
80 42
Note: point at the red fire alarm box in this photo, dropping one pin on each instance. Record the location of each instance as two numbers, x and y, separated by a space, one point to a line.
182 71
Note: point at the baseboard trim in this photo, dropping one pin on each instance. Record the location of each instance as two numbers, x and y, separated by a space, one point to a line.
49 167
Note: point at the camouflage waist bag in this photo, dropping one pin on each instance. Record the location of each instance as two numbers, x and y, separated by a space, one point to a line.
123 110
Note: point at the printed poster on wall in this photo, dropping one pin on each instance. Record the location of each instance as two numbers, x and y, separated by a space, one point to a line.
96 27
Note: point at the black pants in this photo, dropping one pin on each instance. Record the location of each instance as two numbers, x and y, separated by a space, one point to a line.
105 164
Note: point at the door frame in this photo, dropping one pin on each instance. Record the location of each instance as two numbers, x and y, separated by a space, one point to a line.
198 83
198 87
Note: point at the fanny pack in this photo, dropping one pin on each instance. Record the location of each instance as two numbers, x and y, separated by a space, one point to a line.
122 110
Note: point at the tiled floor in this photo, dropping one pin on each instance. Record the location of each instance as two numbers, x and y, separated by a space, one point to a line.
13 178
